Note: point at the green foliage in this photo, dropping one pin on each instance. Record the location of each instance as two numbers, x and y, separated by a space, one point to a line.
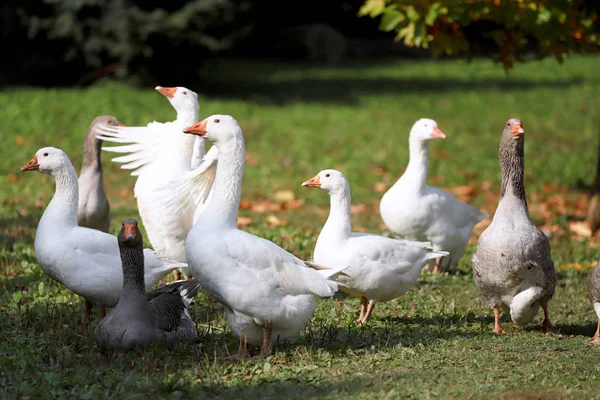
433 342
59 41
509 28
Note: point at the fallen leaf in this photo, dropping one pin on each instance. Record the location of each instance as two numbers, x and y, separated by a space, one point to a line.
577 266
39 204
20 140
580 228
250 159
358 209
437 180
243 222
380 187
12 178
272 220
442 154
283 195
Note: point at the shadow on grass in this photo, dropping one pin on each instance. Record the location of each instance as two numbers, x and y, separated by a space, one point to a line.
350 90
18 229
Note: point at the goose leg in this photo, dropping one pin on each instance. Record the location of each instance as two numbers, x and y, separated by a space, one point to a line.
267 347
363 309
101 312
437 269
368 313
596 338
243 348
547 326
86 314
497 327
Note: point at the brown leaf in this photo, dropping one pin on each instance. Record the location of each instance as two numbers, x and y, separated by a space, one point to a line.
243 222
250 159
437 180
442 154
380 187
12 177
358 209
20 140
39 204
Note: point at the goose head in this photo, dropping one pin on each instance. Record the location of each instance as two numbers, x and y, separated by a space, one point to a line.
47 160
130 235
513 130
426 129
331 180
217 128
182 99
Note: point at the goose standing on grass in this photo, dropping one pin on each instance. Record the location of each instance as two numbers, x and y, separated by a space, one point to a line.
143 319
94 210
85 260
416 211
594 293
379 268
512 266
268 294
160 153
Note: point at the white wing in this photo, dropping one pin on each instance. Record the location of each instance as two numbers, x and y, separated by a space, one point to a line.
193 189
146 143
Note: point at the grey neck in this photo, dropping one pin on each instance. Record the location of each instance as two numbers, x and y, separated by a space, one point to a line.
132 259
512 163
91 151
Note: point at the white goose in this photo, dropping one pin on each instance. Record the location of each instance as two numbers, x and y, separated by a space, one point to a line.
86 261
268 293
161 153
416 211
379 268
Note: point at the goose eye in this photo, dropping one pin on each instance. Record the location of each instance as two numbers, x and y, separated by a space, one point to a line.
45 154
508 124
185 93
326 175
216 120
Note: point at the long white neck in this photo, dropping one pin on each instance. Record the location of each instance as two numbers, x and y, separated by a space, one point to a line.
416 171
227 190
187 117
339 225
63 207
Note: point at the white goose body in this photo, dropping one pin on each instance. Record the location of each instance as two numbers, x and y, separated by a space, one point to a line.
416 211
86 261
379 268
161 153
262 286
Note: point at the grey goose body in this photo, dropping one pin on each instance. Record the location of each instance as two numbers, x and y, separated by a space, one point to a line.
512 266
141 319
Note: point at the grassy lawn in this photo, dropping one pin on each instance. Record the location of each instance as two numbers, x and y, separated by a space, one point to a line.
433 342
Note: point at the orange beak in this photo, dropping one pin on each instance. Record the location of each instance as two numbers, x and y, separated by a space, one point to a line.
32 165
313 182
198 129
437 134
130 232
120 124
517 130
168 92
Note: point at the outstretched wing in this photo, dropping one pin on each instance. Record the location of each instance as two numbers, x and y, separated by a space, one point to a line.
145 143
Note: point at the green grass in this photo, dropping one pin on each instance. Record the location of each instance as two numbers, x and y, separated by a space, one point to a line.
433 342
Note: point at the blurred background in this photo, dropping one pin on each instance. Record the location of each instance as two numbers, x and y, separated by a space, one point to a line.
144 43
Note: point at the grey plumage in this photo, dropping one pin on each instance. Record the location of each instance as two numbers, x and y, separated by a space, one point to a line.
512 266
143 319
94 210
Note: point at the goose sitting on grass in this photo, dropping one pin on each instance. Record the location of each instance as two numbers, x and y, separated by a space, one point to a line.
379 268
143 319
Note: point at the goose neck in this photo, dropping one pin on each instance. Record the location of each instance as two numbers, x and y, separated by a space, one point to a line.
339 223
187 117
227 190
91 152
512 162
132 259
416 171
65 201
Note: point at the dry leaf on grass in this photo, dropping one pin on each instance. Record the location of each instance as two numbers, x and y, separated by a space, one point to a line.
243 222
577 266
283 195
380 187
580 228
20 140
273 221
358 209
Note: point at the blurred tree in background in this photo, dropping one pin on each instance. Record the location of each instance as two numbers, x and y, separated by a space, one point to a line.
63 42
503 30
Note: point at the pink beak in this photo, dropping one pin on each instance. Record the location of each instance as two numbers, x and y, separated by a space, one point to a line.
438 134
